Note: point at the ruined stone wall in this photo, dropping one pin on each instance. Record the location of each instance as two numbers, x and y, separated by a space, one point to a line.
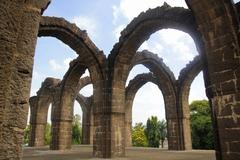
39 106
219 26
184 82
213 25
18 32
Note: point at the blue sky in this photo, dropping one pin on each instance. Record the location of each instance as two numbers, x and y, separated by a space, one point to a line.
103 20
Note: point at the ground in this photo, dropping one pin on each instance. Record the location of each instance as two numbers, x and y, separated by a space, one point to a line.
132 153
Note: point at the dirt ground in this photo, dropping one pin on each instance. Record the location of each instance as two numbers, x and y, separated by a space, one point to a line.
85 152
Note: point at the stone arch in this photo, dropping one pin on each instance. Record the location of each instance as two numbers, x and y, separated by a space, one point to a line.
143 26
166 82
63 107
130 40
78 40
39 106
131 90
87 118
72 36
185 80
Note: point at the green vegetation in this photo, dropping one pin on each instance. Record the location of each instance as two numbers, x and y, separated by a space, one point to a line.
201 125
26 135
155 131
76 130
150 135
162 131
139 138
152 132
47 134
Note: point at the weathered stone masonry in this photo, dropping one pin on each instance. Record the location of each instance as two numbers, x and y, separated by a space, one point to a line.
18 32
213 24
39 106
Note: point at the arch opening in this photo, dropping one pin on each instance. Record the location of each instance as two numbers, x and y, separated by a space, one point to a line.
175 47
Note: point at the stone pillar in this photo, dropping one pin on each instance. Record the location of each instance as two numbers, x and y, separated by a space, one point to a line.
219 28
128 120
172 130
172 118
33 114
92 130
186 137
36 134
108 121
36 137
128 133
61 125
184 119
86 127
87 122
18 32
38 119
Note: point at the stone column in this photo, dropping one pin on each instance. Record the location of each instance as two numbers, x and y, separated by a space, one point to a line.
173 136
33 114
109 121
86 127
38 119
92 130
36 138
219 28
61 124
184 120
128 133
128 121
18 32
36 134
172 118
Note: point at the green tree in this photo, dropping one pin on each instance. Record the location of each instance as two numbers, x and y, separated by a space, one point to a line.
162 131
152 132
26 135
47 134
201 125
76 129
139 138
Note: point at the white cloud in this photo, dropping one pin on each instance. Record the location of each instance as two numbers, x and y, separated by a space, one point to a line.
172 36
87 90
148 102
37 75
115 14
183 51
117 31
86 74
66 62
54 65
132 8
86 23
138 69
63 66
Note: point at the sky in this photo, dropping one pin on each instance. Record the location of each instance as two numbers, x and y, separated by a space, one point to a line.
103 20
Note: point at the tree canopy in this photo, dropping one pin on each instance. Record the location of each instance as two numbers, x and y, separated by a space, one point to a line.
76 129
201 125
139 138
155 131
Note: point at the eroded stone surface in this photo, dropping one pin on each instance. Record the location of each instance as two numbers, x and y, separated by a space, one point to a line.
212 24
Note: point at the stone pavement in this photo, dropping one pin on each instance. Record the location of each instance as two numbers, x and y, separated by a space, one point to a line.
81 152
